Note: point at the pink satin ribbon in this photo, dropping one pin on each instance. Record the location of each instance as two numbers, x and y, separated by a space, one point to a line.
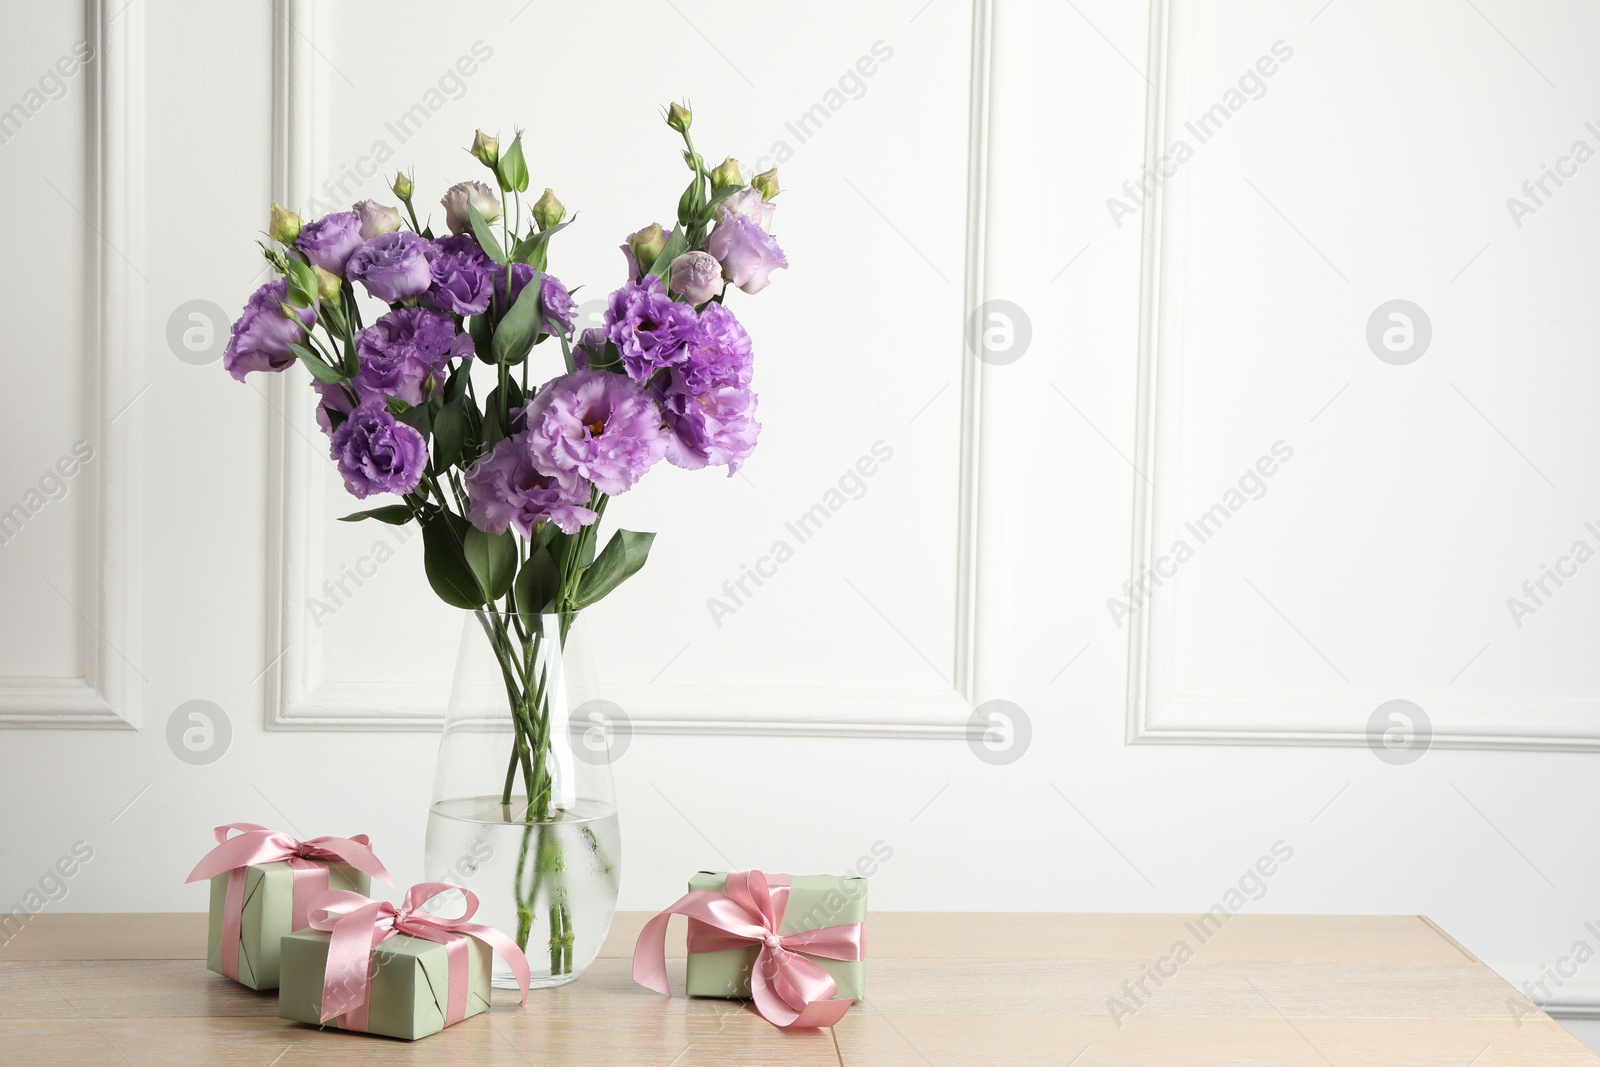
788 989
308 861
359 925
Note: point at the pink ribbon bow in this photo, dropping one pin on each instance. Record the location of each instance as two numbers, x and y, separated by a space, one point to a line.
308 860
359 925
788 989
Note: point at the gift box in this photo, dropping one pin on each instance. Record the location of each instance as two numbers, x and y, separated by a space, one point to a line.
267 916
805 902
262 883
409 990
396 970
793 946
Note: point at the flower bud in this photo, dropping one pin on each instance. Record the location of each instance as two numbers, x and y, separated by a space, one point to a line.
766 183
548 211
327 283
726 173
679 117
285 225
402 185
458 196
695 276
486 149
647 244
376 219
694 161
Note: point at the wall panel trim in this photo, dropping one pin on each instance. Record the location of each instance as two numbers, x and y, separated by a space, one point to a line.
296 697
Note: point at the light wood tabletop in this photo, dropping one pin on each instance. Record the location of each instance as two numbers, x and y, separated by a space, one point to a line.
943 989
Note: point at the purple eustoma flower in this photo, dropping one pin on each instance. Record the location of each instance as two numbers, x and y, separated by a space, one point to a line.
378 454
706 399
463 275
557 305
505 489
401 351
392 267
718 353
648 327
590 348
748 253
596 425
330 241
263 333
716 428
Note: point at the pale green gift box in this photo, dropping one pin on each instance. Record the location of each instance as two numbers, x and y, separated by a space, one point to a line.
267 916
815 901
409 990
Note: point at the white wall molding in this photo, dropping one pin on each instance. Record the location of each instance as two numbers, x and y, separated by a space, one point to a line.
1157 712
107 695
297 695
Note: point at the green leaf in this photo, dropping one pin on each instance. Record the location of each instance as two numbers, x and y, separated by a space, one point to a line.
482 332
472 438
514 337
446 563
558 544
302 284
455 387
485 236
493 560
624 554
417 418
532 248
352 364
538 582
676 246
393 514
512 169
319 370
449 432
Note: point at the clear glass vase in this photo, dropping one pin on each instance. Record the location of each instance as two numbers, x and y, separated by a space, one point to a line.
523 810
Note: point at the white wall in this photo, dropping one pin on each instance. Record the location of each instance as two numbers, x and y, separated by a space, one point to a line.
1168 354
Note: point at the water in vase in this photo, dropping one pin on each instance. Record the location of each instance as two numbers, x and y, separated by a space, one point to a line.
562 902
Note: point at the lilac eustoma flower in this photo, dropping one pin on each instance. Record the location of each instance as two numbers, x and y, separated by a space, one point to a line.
718 353
401 351
463 275
648 327
330 241
392 267
597 425
262 333
505 489
706 399
398 354
748 253
716 428
557 305
378 454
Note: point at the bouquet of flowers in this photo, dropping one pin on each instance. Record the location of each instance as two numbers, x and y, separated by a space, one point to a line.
508 479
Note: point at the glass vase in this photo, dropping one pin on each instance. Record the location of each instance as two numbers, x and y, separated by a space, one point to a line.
523 811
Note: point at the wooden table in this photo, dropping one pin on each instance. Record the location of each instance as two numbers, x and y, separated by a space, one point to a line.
967 989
